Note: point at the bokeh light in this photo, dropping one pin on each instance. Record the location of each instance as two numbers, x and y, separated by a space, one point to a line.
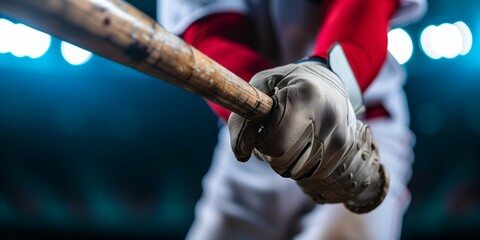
446 40
466 36
426 42
22 41
400 45
5 35
73 54
40 45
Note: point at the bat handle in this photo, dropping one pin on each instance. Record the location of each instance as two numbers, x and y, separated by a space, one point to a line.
230 91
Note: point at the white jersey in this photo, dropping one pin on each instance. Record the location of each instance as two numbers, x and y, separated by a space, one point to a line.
249 200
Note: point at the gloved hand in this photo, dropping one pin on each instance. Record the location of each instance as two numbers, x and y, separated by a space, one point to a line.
313 137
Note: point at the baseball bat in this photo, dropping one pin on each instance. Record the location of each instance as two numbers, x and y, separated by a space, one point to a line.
118 31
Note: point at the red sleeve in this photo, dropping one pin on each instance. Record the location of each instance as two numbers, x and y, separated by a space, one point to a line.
360 26
227 39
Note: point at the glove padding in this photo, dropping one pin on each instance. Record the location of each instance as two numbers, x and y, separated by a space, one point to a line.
313 137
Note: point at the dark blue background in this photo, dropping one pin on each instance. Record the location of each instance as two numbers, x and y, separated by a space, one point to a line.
100 150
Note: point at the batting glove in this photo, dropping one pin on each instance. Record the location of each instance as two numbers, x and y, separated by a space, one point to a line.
314 137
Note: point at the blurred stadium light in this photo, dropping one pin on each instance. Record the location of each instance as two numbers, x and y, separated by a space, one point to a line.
426 42
5 39
446 40
466 37
400 45
73 54
22 41
38 42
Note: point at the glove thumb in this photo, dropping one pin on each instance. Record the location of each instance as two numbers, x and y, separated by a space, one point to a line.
243 136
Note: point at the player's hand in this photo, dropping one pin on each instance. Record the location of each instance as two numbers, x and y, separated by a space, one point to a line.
313 136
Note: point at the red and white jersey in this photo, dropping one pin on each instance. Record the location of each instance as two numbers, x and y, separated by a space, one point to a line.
250 195
285 31
292 24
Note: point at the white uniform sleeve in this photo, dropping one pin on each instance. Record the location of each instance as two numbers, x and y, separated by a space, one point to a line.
176 15
409 12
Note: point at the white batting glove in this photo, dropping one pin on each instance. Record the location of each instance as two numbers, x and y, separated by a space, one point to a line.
313 137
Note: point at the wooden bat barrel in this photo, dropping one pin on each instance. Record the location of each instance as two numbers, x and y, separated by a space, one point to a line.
118 31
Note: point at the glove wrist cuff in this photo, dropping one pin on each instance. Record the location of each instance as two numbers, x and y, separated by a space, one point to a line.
313 59
372 196
359 180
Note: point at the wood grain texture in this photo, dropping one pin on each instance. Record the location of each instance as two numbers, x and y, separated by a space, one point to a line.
122 33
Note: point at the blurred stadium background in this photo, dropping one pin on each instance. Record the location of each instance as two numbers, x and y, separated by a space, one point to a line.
92 149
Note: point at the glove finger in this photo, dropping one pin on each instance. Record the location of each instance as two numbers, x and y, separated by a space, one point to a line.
243 136
288 137
267 80
244 133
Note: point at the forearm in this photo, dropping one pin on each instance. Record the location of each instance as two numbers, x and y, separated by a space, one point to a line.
360 27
